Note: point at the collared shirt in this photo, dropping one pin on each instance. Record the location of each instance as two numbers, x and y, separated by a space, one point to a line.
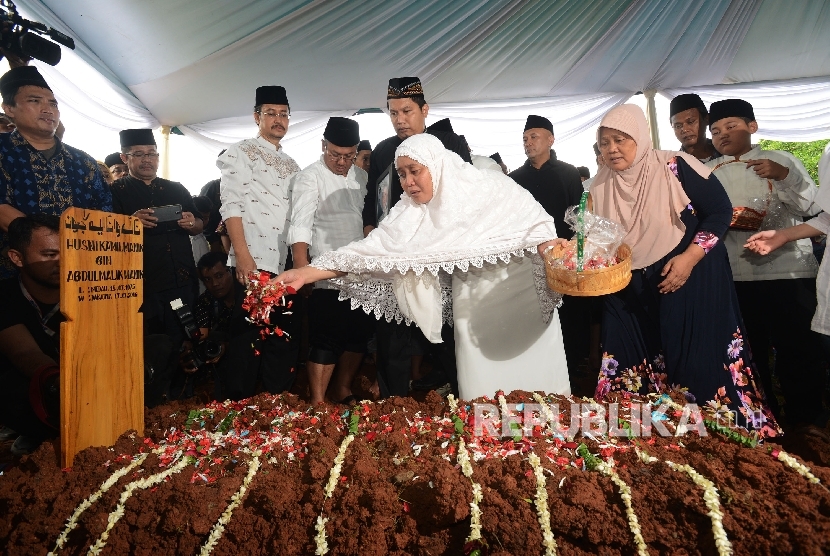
556 185
256 187
168 253
794 198
821 320
33 183
326 209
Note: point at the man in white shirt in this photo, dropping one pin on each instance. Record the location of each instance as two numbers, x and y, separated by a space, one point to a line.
255 191
326 214
776 293
767 241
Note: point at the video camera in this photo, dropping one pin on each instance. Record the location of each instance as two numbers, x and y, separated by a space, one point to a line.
17 36
204 349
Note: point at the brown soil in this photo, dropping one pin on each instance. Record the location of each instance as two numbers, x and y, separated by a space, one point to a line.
396 498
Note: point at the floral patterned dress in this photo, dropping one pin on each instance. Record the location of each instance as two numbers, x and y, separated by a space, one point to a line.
691 338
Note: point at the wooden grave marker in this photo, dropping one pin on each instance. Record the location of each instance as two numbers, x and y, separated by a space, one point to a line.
102 346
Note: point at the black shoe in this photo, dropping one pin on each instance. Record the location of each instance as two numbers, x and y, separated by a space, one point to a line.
7 433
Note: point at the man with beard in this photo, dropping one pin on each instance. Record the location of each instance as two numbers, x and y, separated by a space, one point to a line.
689 120
557 186
30 320
397 343
256 189
255 192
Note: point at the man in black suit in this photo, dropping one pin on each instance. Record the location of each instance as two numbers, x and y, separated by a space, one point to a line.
557 186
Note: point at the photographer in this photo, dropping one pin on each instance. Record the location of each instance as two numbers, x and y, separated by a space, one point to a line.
229 342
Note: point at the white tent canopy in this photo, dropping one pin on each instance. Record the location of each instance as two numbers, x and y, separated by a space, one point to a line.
486 64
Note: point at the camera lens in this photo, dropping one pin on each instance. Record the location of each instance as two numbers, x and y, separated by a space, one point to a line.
212 349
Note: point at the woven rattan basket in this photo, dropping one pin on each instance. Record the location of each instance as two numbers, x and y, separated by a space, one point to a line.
589 283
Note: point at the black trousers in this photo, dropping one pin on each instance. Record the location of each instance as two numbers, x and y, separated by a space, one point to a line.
334 327
272 360
575 318
395 349
249 358
15 408
777 313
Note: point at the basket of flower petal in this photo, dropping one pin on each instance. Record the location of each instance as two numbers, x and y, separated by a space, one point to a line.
599 275
595 262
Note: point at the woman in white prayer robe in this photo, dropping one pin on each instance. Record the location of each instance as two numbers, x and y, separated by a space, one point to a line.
460 247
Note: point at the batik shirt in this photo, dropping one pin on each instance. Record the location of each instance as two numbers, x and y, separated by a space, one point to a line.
256 187
33 184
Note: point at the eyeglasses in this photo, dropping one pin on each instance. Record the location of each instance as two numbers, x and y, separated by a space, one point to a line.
341 157
140 156
280 115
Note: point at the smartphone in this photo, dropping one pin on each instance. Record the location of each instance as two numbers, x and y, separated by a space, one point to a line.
167 213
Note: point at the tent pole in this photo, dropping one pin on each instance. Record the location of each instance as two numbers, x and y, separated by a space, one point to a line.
165 152
651 114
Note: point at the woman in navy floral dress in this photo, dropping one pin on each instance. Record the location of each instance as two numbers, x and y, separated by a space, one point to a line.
677 324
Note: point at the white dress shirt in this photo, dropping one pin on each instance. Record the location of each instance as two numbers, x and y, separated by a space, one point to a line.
797 193
256 186
326 209
821 320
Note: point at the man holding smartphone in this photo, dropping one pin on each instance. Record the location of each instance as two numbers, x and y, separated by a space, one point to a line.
166 209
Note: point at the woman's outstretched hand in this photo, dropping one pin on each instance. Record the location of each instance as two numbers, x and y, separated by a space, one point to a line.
298 277
294 278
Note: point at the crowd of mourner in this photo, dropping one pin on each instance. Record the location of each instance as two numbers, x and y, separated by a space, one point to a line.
423 258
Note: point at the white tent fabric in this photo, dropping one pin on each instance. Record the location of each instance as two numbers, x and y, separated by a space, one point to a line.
484 63
92 97
497 126
794 110
490 127
306 128
651 46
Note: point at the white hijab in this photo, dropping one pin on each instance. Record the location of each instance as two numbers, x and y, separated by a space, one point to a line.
474 216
